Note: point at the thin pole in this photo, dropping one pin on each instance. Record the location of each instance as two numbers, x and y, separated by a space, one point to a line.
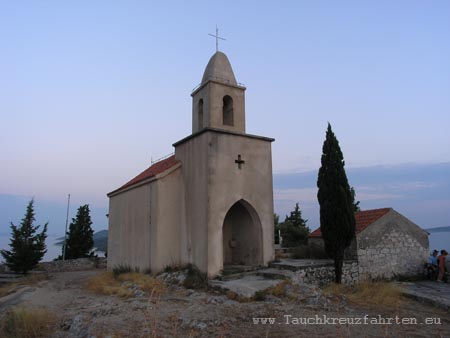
65 233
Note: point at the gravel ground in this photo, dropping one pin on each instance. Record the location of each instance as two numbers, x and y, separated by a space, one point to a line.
183 312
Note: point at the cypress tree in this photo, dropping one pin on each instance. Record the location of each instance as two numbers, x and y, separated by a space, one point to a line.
80 240
337 219
27 246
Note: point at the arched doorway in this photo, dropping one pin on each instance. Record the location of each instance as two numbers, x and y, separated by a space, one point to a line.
242 237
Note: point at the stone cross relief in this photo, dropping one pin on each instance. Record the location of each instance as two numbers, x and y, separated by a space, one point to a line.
239 161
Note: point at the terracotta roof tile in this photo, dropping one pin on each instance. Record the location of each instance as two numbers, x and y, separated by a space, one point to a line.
153 170
362 218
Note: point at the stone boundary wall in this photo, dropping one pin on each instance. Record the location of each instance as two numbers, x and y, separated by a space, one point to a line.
72 265
322 273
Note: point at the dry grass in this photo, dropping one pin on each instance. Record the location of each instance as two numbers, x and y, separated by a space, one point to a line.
7 289
284 289
27 323
280 289
371 293
107 284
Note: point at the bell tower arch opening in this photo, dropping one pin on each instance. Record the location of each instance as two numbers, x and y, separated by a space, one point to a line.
242 236
227 111
200 123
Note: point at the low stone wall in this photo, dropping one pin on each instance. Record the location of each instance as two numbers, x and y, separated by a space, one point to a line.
319 272
324 275
72 265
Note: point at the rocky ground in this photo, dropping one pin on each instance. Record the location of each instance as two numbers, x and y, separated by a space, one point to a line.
181 312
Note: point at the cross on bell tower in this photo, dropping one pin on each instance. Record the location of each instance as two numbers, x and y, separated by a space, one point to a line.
217 38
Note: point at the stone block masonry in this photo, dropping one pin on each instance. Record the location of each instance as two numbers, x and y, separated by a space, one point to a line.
319 272
72 265
397 254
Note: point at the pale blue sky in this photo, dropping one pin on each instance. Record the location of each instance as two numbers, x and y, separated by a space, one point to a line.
91 90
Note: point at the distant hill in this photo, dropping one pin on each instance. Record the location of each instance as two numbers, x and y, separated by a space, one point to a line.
100 240
438 229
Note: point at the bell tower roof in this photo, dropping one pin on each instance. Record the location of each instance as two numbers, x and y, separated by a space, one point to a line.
218 101
219 70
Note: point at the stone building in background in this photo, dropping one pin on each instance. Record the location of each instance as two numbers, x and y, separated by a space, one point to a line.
211 203
386 245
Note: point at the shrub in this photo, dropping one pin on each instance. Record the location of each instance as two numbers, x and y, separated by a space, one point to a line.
195 279
27 323
260 296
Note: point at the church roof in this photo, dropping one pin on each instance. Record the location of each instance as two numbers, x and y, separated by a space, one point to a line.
153 170
219 69
362 220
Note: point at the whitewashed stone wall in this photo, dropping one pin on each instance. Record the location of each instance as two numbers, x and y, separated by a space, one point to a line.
324 275
72 265
397 253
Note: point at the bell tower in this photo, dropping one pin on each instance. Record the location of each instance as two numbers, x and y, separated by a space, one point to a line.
226 178
218 102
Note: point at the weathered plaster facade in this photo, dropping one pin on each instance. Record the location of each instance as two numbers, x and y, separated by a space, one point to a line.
212 202
142 223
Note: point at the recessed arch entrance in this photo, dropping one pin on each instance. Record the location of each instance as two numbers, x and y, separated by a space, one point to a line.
242 235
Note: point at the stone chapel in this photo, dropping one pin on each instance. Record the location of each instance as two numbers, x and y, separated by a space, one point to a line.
209 204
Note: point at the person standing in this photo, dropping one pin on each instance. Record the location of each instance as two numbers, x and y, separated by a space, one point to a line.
432 266
441 264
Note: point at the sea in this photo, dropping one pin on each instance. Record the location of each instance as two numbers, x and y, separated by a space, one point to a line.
53 249
439 241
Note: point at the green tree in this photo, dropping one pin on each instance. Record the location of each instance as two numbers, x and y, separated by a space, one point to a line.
294 231
80 242
337 216
27 246
296 217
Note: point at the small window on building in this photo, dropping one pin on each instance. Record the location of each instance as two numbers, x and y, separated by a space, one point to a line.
200 114
227 111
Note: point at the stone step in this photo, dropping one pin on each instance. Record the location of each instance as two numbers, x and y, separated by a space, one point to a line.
232 269
300 264
246 286
233 272
274 273
235 276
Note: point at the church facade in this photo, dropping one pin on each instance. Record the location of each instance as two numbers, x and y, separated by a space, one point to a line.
211 203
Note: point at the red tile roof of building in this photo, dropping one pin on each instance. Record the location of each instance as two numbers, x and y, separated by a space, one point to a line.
153 170
362 220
